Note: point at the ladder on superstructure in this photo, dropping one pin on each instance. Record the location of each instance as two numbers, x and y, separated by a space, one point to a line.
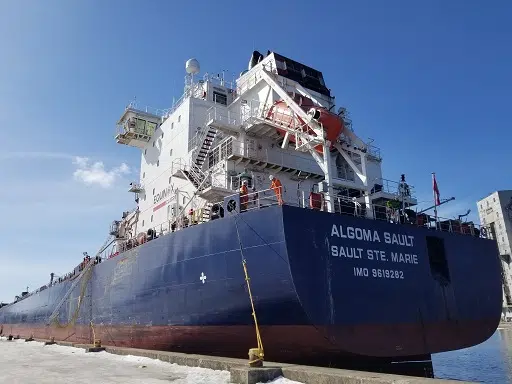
204 144
87 267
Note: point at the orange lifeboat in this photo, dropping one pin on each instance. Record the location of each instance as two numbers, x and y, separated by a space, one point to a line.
282 115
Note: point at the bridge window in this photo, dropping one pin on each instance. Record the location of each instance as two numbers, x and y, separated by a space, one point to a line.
150 127
140 126
220 98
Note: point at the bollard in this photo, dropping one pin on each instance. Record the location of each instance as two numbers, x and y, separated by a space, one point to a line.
255 360
96 344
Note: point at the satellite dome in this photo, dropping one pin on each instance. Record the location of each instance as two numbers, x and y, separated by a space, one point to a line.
192 66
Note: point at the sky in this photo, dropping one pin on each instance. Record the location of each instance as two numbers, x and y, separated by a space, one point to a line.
429 81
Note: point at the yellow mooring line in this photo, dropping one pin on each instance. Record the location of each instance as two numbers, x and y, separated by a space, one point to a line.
255 354
95 342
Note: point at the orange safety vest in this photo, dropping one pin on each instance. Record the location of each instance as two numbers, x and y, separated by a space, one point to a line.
243 194
277 187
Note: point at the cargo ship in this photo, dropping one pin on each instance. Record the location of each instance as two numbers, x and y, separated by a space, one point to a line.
265 173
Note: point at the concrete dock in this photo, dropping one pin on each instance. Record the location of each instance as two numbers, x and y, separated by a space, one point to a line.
241 373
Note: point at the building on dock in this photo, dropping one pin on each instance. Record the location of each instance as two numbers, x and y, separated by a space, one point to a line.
495 212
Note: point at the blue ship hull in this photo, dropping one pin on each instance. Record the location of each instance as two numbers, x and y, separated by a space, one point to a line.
326 287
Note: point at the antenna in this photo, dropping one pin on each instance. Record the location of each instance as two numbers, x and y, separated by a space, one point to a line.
192 67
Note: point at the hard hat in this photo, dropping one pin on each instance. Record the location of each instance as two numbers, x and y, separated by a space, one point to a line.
244 182
271 177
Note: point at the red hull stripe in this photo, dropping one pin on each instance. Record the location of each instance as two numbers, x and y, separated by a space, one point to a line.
159 206
283 343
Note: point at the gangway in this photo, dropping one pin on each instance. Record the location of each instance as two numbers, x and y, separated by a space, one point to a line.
87 267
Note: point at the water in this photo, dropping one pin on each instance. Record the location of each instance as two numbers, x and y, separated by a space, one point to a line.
489 362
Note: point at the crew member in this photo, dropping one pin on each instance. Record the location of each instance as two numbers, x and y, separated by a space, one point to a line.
277 187
244 198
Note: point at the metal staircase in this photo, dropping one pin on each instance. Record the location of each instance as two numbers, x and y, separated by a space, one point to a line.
194 173
197 177
55 312
204 144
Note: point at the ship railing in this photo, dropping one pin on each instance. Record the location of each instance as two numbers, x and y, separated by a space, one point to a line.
176 104
197 89
227 117
194 90
250 79
261 199
219 180
258 112
275 156
148 109
223 115
350 206
218 80
392 187
373 151
220 152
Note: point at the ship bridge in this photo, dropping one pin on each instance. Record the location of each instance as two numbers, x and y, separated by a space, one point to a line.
136 126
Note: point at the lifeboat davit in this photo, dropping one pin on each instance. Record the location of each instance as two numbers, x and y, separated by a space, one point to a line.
282 115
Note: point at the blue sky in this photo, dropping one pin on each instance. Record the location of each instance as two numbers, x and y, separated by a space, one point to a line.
429 81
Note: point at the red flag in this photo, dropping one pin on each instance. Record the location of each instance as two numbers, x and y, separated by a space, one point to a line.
436 190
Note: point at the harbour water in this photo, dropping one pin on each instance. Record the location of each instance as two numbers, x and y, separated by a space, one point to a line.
489 362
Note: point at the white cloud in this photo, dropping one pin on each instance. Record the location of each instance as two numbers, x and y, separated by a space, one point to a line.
95 173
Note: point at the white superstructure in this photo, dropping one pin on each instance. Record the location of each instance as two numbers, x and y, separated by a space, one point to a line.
272 121
495 213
